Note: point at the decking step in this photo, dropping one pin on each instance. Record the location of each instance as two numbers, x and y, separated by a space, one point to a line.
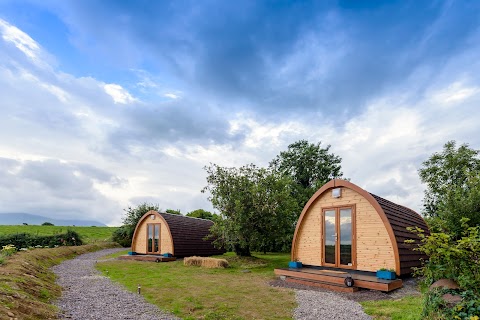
322 278
320 284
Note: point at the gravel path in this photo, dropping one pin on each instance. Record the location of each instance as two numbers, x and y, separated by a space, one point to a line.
89 295
316 305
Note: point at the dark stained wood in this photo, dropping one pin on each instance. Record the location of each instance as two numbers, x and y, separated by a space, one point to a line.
400 218
189 235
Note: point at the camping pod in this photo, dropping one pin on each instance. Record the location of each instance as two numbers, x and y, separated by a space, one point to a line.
161 233
343 226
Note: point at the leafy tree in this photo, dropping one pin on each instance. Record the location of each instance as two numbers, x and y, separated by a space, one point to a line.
453 188
257 210
124 234
171 211
310 166
445 170
133 214
47 224
203 214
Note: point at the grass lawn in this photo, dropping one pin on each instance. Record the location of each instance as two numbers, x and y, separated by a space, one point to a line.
408 308
88 234
198 293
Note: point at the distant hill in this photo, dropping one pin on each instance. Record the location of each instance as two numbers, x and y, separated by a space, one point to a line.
32 219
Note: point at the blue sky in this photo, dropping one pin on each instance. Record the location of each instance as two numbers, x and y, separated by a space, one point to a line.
107 104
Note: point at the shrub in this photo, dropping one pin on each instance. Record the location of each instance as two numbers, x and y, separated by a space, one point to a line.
455 259
25 240
47 224
123 235
205 262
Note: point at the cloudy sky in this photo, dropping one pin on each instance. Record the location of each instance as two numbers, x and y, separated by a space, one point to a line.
106 104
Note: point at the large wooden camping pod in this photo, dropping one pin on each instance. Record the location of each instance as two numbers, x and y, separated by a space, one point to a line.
344 226
160 233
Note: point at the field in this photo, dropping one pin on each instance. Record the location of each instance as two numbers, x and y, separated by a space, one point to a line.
198 293
88 234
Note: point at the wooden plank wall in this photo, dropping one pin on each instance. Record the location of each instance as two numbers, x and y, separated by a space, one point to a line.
374 248
166 245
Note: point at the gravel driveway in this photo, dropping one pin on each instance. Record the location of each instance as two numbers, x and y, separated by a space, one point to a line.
89 295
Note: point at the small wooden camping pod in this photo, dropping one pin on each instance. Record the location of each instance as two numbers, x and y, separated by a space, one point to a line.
344 226
159 233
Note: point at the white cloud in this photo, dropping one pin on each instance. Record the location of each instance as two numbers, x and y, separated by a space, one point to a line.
118 93
171 95
454 93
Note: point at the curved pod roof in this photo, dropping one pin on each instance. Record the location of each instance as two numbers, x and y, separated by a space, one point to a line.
186 233
396 219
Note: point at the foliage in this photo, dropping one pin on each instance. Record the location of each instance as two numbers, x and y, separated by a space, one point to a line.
201 293
203 214
47 224
456 259
309 166
88 234
8 250
25 240
171 211
451 176
133 214
256 206
124 234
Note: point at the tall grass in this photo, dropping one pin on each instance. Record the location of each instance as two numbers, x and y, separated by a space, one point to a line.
27 285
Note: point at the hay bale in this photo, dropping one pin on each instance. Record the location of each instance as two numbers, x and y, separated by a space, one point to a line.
205 262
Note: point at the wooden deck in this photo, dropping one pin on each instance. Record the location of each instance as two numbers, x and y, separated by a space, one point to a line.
333 279
147 257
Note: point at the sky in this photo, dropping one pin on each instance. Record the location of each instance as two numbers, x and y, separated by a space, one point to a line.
108 104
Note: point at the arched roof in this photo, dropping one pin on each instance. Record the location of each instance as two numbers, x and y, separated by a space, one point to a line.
187 234
396 219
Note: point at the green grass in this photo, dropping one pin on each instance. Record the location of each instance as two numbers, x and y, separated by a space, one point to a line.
88 234
407 308
198 293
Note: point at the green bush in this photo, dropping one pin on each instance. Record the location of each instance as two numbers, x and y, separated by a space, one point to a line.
456 259
47 224
25 240
123 235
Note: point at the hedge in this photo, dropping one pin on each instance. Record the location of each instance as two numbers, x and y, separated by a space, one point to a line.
25 240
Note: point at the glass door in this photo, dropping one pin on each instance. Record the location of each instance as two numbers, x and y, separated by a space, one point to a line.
153 238
338 248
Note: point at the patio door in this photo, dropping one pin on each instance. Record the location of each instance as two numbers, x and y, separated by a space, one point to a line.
339 237
153 238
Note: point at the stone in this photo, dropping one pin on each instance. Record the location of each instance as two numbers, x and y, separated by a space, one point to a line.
445 283
450 299
10 314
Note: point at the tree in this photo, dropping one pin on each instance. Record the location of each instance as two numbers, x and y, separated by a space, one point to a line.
124 234
47 224
310 166
257 210
453 190
171 211
202 214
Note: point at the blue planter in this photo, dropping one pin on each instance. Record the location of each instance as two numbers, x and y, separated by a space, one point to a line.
294 264
385 274
167 255
131 253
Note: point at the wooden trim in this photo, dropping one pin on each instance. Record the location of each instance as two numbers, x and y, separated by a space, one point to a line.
159 237
145 216
343 183
337 209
